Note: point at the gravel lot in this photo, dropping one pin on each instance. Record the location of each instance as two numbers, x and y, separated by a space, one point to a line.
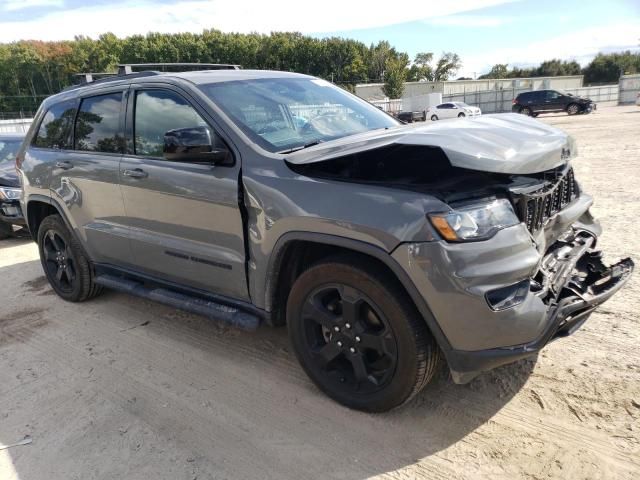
123 388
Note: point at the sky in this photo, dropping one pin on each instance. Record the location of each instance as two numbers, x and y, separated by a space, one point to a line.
482 32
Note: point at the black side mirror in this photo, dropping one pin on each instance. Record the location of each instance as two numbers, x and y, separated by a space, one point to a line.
193 145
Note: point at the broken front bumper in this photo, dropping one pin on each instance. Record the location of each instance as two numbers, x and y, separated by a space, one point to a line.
566 284
10 212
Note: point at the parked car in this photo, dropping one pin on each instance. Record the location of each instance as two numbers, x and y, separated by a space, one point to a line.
410 117
451 110
383 247
10 213
548 101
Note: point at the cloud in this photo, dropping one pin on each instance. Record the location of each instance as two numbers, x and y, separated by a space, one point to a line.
15 5
469 21
579 45
240 16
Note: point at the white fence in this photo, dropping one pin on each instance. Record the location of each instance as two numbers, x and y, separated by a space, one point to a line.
629 88
20 125
498 101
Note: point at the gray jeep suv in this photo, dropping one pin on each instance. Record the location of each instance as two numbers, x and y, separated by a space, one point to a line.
258 196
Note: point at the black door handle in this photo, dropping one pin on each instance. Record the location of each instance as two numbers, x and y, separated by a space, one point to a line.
64 165
135 173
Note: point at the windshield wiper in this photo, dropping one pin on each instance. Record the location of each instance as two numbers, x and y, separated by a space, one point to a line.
302 147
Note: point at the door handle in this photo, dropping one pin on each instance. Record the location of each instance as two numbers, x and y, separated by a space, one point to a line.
135 173
64 165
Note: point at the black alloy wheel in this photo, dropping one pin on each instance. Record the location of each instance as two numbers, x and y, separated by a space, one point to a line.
358 335
349 339
58 261
65 264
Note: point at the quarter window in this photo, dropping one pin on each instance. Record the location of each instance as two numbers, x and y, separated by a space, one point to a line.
55 126
97 126
157 112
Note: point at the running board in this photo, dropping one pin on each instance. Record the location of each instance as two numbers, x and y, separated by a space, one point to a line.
215 311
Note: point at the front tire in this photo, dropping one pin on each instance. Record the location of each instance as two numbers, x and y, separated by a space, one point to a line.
573 109
461 115
434 118
358 336
65 265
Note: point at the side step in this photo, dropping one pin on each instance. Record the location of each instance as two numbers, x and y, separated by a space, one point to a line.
216 311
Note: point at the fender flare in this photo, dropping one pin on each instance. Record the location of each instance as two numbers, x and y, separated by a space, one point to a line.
277 257
36 197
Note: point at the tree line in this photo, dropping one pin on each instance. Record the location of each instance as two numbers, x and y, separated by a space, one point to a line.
604 68
31 70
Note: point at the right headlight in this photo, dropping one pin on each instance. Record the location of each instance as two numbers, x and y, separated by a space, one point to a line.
477 221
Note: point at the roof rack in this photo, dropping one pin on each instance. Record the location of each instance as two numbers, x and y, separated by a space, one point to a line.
128 68
90 77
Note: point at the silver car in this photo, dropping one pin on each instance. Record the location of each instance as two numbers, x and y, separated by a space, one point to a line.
270 197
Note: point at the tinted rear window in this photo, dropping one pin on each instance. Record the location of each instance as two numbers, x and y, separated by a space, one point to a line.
98 124
55 126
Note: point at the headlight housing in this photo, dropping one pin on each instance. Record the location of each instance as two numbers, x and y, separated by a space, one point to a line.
477 221
9 193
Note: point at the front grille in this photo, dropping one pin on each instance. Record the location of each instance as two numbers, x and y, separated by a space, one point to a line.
538 206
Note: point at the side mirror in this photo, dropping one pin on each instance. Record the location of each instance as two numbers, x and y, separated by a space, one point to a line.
193 145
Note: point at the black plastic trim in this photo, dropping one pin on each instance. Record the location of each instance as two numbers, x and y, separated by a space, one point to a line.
276 259
107 269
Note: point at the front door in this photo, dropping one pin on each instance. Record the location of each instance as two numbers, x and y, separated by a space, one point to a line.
554 101
184 218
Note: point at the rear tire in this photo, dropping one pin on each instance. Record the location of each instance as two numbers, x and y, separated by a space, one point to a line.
358 336
64 262
526 111
6 230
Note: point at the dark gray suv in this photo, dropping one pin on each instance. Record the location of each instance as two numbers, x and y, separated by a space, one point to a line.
257 196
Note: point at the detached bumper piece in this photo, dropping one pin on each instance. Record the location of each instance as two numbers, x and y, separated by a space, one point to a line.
575 281
572 281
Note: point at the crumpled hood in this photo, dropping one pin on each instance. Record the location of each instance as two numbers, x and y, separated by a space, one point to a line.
8 175
499 143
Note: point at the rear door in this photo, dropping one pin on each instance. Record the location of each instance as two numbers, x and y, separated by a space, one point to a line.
183 217
82 140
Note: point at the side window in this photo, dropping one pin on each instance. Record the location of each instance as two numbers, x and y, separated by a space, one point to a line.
55 126
551 95
157 112
97 126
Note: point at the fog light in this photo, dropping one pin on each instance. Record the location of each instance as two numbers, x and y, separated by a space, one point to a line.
507 297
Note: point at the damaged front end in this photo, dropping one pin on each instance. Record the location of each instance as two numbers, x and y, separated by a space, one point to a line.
528 272
573 281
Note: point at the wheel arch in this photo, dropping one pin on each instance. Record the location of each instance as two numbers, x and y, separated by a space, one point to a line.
295 250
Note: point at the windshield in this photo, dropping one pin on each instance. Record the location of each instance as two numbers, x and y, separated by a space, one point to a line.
282 114
8 150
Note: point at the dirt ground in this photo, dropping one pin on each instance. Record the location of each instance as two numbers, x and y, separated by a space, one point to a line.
122 388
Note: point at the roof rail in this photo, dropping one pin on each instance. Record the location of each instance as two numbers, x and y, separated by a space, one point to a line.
128 68
90 77
109 78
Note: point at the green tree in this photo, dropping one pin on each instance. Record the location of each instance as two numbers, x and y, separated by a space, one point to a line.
447 66
395 75
499 70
